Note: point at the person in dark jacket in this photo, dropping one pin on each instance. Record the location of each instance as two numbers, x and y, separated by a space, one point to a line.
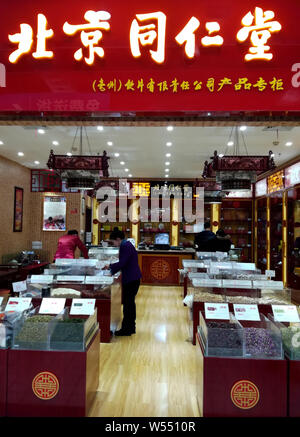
221 242
131 275
202 240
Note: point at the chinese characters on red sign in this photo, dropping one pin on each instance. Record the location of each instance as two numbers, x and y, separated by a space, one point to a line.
146 30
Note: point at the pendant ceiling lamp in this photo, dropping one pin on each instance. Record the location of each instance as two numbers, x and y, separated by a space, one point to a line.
81 171
237 171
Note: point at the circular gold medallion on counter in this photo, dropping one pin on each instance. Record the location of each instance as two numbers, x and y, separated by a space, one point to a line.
160 269
45 385
244 394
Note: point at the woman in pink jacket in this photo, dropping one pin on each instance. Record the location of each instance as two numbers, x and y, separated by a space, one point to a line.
68 244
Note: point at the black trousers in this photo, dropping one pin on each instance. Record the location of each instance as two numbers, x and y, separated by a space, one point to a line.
129 311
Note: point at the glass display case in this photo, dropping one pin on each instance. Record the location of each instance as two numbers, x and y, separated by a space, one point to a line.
261 208
110 254
221 338
49 332
73 333
236 220
290 333
9 322
33 332
293 241
276 234
262 339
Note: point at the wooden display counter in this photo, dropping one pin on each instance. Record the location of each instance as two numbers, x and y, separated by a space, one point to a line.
161 266
3 381
237 387
52 383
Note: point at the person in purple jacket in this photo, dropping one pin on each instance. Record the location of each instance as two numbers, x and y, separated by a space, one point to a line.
131 275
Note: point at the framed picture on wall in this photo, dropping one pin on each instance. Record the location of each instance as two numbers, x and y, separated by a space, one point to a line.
54 213
18 209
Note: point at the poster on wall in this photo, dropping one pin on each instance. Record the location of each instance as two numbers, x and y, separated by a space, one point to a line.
18 209
54 213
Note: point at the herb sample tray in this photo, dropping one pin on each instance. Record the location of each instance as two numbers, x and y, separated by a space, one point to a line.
222 338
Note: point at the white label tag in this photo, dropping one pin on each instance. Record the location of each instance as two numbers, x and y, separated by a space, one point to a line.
285 313
99 279
18 304
83 306
270 273
65 278
52 306
19 286
246 312
216 311
41 279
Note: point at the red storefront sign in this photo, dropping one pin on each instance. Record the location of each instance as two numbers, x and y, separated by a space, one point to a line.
149 56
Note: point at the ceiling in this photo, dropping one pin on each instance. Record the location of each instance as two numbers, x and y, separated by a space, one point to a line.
143 149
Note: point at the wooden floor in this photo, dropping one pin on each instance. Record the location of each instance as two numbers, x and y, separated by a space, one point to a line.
151 373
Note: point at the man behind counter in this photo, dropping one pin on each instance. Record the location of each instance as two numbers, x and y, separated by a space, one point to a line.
203 239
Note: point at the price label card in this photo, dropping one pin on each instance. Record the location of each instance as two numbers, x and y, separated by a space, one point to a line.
83 306
19 286
232 283
285 313
41 279
64 278
214 270
99 279
270 273
216 311
18 304
246 312
51 305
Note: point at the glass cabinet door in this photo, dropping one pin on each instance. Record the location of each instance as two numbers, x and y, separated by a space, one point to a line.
293 249
276 234
261 245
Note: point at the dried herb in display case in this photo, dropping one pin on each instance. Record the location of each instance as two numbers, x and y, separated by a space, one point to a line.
291 341
222 338
34 333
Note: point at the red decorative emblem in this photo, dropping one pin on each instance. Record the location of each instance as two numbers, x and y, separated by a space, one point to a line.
244 394
160 269
45 385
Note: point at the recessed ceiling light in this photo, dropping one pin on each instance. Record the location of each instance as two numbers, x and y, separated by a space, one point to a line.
167 169
221 155
289 143
36 162
230 143
168 155
41 131
55 143
116 155
243 127
169 144
110 143
1 143
167 163
166 175
20 153
208 113
122 163
100 127
169 128
126 169
130 175
69 154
